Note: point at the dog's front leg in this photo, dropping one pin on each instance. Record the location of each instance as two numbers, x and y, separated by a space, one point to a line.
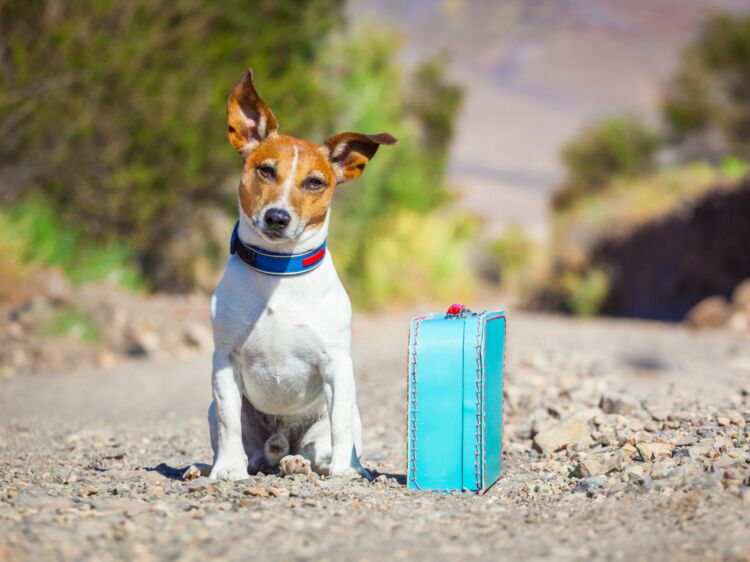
230 461
338 379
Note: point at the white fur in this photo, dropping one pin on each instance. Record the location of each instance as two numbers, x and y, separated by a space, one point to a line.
283 342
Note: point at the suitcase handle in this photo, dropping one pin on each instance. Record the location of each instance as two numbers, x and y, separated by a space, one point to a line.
457 311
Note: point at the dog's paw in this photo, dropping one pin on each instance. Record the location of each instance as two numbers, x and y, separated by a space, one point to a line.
229 471
294 464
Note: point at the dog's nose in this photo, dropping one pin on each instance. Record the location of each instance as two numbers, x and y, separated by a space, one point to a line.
277 219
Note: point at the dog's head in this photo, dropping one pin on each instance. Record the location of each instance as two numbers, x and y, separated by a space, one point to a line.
288 184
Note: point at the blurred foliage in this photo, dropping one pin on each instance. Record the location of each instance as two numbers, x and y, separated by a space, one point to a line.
616 147
392 200
435 103
575 284
32 234
582 293
710 94
517 260
412 256
113 112
73 322
629 203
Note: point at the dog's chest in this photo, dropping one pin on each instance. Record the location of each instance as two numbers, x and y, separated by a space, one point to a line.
279 363
280 332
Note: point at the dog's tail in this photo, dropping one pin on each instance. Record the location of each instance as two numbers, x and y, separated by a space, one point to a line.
276 448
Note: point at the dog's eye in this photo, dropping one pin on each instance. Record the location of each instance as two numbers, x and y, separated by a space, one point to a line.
314 184
266 172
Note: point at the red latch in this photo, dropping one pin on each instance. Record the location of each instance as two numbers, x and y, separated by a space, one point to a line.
456 310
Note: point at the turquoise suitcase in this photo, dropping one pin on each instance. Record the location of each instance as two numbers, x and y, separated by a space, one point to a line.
455 413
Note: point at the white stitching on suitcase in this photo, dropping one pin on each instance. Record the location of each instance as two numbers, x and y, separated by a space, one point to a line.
479 379
417 322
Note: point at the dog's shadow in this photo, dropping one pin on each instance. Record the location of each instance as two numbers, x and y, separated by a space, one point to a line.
400 478
170 472
174 473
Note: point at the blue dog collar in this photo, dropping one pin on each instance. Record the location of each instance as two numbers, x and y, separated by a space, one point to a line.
274 263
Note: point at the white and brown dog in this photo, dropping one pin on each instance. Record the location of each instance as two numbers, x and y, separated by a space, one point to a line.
283 384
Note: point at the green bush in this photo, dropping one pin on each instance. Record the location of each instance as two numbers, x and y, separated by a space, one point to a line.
404 180
113 112
75 323
616 147
710 94
588 292
512 255
411 257
33 234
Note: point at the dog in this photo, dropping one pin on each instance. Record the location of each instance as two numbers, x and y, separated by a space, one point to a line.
283 383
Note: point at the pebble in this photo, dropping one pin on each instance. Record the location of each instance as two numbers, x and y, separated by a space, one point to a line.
121 490
588 467
591 485
662 469
652 451
202 483
619 403
572 430
256 491
633 471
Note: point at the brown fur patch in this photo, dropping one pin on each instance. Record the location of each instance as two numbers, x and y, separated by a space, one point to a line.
252 130
310 205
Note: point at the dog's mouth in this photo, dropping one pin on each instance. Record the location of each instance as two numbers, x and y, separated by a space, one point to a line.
273 234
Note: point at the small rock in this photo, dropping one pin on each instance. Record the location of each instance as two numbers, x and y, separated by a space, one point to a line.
588 467
633 471
278 492
741 296
628 450
191 473
572 430
736 418
143 342
739 321
711 312
698 451
653 451
643 484
256 491
197 335
659 412
120 490
684 440
651 427
661 469
202 483
725 461
723 421
618 403
591 485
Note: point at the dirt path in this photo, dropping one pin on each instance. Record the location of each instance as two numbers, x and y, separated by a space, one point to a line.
91 462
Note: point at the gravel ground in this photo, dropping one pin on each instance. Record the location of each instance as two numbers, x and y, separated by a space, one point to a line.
623 440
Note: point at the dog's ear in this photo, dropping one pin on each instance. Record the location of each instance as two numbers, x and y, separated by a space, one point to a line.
249 119
350 152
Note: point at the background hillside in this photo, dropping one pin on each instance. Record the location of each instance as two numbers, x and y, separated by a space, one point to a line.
535 73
